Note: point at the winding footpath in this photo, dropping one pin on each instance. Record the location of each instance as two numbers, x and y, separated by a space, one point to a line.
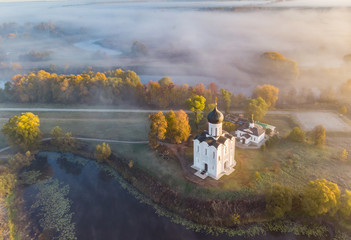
90 110
92 140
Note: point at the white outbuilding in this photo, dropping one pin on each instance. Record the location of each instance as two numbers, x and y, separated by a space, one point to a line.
214 150
250 132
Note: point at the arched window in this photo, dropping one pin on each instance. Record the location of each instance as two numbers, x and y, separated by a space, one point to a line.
198 149
205 151
219 158
214 154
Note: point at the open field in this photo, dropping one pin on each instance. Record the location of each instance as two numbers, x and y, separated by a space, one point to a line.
330 121
288 163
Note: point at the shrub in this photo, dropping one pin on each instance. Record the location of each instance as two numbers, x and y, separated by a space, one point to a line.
297 135
102 152
279 200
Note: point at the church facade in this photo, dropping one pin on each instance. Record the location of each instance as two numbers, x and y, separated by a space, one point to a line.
214 150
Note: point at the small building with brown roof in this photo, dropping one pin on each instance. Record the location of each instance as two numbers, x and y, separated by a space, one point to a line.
250 132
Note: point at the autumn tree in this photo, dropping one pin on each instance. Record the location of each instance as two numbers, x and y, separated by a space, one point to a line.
320 197
269 93
178 128
343 110
256 107
345 208
226 99
344 155
196 104
23 131
297 135
158 128
102 152
279 200
318 135
277 65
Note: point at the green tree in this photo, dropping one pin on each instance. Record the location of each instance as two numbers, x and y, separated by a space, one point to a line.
229 126
256 107
64 141
19 160
297 135
279 200
158 128
196 104
318 135
226 99
269 93
7 183
208 108
68 143
165 82
23 131
320 197
56 135
178 128
102 152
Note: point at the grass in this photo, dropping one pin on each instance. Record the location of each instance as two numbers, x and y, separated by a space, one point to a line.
283 122
288 163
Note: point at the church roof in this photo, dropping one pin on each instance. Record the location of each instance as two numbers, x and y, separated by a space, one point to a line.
213 142
215 116
256 131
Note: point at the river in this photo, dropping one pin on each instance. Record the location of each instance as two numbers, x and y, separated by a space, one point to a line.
103 209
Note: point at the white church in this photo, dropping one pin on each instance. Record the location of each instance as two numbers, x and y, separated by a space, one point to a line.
214 150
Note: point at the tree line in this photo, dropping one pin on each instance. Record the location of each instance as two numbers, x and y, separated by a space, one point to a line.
113 87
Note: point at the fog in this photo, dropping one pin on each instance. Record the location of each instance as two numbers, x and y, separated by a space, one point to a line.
185 39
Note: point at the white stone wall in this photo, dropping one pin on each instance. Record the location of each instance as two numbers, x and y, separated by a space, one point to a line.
215 129
214 158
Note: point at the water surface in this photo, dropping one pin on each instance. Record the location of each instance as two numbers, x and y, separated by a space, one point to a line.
104 210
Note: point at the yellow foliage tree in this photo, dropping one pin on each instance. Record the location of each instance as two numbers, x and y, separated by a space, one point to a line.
158 128
178 128
23 131
269 93
318 135
321 197
344 155
102 152
345 208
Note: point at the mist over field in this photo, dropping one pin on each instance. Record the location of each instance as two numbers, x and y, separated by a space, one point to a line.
183 39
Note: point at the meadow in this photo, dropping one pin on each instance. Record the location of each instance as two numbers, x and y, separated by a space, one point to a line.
287 163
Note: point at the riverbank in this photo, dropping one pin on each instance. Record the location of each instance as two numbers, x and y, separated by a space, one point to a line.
239 217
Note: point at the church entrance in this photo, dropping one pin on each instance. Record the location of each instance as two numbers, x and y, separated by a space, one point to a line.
243 140
206 167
